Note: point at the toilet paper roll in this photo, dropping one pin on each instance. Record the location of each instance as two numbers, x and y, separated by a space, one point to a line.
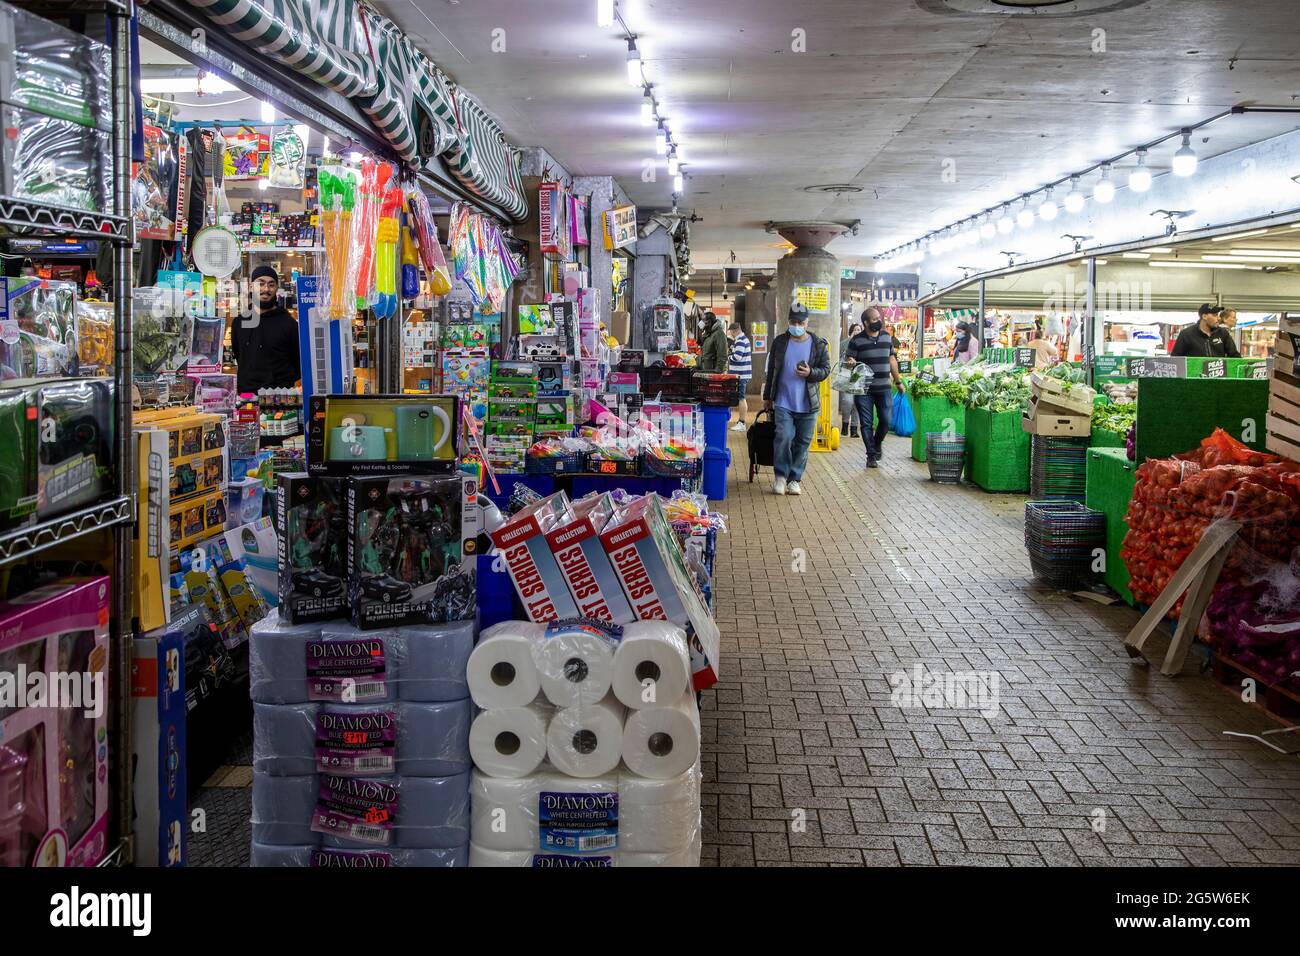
434 661
503 812
311 856
658 816
433 738
374 667
502 671
510 741
652 661
282 810
586 741
284 739
663 742
481 856
687 856
576 666
432 813
277 660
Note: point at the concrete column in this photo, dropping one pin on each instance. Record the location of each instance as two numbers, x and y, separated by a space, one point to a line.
810 266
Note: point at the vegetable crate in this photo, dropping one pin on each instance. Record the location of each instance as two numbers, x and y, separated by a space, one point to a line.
931 412
1110 482
1174 414
1103 438
997 451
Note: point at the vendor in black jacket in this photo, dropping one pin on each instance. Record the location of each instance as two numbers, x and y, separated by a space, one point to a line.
265 343
1207 338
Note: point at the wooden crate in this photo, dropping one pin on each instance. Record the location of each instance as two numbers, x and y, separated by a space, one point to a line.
1280 703
1284 397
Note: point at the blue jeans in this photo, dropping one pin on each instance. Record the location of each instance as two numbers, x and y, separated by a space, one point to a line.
794 433
883 402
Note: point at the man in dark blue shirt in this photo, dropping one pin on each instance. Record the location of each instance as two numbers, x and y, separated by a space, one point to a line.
874 347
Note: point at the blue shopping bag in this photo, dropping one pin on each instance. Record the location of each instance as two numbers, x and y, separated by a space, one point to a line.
904 422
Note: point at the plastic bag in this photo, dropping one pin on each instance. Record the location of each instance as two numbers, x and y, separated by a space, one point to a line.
904 422
426 239
854 380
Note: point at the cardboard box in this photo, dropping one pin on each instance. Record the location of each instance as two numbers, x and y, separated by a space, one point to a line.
59 631
158 734
1059 398
412 549
584 564
620 326
1061 426
152 535
650 566
536 575
312 540
383 434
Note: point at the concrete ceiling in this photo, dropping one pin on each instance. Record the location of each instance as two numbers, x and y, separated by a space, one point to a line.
885 93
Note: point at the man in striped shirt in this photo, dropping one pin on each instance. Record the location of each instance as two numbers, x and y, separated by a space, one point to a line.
874 347
741 364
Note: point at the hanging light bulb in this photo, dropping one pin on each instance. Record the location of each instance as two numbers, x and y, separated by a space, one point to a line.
1104 191
661 139
1074 198
633 63
268 113
1185 158
604 13
647 109
1139 179
1048 209
1005 222
672 163
1025 218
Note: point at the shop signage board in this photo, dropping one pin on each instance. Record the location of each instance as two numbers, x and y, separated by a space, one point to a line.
815 297
620 227
1261 370
848 273
1024 357
1158 366
1111 366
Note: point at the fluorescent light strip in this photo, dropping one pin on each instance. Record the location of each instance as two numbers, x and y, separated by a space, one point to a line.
1239 235
1202 265
1136 255
1265 252
1276 259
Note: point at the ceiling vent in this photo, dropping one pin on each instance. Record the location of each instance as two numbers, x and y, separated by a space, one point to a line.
1025 8
834 188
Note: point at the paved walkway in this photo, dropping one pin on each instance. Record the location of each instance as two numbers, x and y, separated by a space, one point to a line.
1088 760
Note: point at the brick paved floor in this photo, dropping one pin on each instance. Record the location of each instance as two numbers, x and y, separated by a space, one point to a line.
899 572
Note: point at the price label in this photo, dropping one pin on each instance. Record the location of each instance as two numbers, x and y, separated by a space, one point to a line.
1158 366
1295 353
608 467
1215 368
1024 358
1089 354
904 366
928 377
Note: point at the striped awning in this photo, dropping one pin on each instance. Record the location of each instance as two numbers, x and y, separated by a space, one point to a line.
355 51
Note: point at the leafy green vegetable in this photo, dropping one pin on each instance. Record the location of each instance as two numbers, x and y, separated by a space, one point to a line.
1114 418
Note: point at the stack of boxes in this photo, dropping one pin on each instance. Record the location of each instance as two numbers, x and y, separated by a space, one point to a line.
260 225
512 413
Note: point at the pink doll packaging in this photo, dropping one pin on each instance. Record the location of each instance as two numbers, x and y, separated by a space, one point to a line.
54 696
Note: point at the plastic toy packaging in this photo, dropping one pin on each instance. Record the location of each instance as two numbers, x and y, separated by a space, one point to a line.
365 226
75 459
38 328
311 525
215 392
205 345
55 161
52 70
387 235
425 231
338 194
94 337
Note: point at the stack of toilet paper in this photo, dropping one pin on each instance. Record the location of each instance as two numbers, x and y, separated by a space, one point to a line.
360 744
587 746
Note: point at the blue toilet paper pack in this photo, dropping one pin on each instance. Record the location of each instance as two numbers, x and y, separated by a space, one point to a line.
324 857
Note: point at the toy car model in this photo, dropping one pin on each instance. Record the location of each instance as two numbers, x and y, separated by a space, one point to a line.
386 589
316 582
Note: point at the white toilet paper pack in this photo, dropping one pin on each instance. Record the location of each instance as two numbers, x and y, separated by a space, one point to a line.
510 741
652 666
545 812
587 740
650 566
663 742
502 670
521 542
658 816
575 660
585 564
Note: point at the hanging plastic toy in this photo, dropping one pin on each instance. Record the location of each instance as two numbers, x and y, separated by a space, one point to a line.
410 265
337 197
374 180
386 238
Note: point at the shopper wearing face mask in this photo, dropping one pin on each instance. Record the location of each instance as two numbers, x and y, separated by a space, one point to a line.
796 365
874 347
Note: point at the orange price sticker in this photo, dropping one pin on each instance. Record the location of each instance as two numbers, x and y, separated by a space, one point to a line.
354 737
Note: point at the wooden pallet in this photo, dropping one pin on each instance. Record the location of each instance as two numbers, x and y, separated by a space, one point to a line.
1283 424
1280 703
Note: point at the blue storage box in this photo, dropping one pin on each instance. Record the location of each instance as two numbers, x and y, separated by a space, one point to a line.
715 425
716 463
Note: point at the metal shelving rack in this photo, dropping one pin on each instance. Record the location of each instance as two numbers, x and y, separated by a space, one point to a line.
25 218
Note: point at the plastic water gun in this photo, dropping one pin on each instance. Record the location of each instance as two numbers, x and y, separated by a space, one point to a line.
410 264
374 180
337 197
386 238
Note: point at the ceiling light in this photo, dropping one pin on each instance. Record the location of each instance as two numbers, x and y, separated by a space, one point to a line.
355 156
1074 199
1005 222
207 85
1048 209
1264 252
1185 158
1025 218
1239 235
633 64
304 134
1103 262
604 13
1137 255
678 184
672 163
1104 191
1139 178
661 139
268 113
1279 258
1201 265
647 110
263 183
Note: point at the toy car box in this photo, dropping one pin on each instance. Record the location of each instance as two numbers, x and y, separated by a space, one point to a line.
528 557
650 566
584 564
412 549
383 434
312 530
74 421
194 520
54 741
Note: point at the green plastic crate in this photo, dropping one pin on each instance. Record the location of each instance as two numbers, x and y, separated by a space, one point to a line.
1111 477
997 450
1101 438
931 412
1175 414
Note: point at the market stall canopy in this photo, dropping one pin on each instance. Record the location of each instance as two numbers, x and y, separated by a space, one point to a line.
364 56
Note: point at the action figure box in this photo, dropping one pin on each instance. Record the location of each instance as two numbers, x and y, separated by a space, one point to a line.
75 444
412 549
383 434
312 530
160 798
585 565
528 557
54 697
652 569
196 448
194 520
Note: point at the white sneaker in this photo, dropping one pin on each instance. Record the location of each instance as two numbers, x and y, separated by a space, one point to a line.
793 488
778 486
738 427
